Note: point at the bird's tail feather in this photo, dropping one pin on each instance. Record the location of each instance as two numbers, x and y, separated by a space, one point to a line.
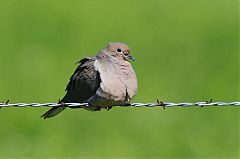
53 112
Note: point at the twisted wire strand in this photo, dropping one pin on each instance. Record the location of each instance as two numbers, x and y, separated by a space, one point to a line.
162 104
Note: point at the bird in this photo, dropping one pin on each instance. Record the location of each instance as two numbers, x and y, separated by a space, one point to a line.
103 81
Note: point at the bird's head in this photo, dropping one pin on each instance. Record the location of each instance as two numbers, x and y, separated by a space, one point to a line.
119 50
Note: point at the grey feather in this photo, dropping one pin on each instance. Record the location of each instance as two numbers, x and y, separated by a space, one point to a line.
103 81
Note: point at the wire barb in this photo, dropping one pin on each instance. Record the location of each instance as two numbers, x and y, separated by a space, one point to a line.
159 103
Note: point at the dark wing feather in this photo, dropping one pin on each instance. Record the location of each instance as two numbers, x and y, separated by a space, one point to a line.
83 83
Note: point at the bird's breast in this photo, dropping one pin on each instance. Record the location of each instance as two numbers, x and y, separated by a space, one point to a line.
128 77
117 80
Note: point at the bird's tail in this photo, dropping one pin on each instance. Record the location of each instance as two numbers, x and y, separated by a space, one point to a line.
53 112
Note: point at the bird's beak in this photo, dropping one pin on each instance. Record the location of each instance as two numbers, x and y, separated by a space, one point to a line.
129 56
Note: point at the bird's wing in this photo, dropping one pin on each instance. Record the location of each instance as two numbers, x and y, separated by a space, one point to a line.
83 83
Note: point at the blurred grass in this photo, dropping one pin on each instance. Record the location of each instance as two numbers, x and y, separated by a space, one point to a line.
185 51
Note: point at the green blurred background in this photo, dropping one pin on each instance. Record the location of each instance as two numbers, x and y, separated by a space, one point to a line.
185 50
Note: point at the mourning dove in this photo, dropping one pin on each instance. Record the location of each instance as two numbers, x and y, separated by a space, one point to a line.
103 81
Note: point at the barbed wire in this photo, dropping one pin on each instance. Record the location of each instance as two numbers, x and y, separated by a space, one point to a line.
162 104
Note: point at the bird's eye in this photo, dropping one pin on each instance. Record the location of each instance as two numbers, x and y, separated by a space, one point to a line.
119 50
